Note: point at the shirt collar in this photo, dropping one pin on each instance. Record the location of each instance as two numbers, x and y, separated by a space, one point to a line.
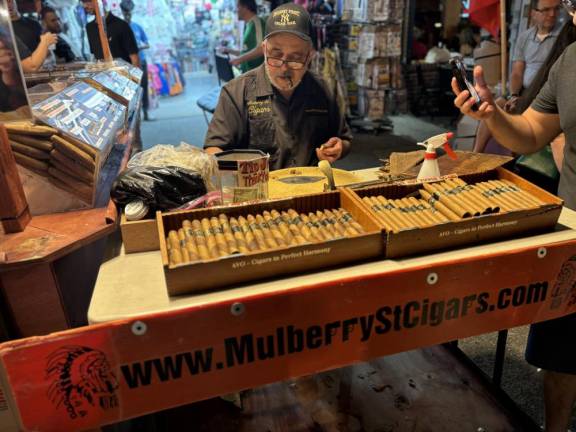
553 33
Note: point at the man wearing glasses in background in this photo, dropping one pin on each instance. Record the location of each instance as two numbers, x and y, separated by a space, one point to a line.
533 45
281 107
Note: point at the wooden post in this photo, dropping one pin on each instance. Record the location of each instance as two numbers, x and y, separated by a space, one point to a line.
503 49
14 212
102 32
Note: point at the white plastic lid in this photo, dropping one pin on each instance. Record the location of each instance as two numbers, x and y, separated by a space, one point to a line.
135 210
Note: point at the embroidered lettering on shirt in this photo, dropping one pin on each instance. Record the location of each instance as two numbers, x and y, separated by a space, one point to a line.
257 108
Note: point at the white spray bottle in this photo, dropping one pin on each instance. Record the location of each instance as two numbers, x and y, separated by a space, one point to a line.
430 167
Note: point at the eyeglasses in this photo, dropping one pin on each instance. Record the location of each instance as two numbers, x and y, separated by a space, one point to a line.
278 62
554 9
570 6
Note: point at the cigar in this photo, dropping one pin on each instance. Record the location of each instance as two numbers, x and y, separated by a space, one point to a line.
74 168
219 236
210 238
239 236
407 213
458 197
283 227
173 240
190 242
449 202
251 242
275 229
37 166
351 221
76 185
92 152
175 256
320 226
491 207
325 222
433 201
535 202
430 213
416 213
384 216
74 153
258 234
345 220
395 213
495 195
230 240
27 128
183 249
332 216
316 234
40 144
268 236
200 240
32 152
294 230
64 169
297 221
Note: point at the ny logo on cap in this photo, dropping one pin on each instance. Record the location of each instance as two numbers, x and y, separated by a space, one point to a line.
285 17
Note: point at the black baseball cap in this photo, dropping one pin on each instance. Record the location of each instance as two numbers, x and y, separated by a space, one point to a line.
289 18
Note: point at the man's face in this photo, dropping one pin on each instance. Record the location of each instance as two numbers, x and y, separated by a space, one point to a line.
240 9
127 16
88 7
546 15
52 23
290 48
13 10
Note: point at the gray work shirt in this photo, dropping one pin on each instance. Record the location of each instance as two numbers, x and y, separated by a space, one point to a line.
252 114
533 51
558 96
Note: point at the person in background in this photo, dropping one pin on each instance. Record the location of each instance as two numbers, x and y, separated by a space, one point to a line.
64 52
533 45
281 108
127 6
551 344
29 31
120 37
251 55
12 95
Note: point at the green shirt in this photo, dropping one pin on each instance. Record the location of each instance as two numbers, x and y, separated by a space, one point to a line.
253 36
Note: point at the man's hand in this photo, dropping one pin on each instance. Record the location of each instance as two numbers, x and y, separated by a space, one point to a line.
511 104
48 39
330 150
464 101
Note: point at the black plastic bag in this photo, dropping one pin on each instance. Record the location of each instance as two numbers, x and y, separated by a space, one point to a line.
160 188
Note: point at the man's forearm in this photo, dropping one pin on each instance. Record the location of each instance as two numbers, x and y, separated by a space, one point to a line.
513 132
515 84
135 60
213 150
252 54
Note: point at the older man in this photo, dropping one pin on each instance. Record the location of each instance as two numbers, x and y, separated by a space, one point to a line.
281 107
533 46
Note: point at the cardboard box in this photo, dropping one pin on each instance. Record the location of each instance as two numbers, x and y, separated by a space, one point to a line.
468 231
237 269
140 235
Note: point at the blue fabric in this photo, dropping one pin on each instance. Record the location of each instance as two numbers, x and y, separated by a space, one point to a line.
141 39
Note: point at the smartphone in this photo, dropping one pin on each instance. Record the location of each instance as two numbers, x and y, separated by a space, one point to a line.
459 72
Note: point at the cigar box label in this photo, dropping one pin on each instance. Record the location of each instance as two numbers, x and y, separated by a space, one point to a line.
256 261
242 194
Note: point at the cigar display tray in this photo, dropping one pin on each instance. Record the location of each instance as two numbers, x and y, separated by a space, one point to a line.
249 265
471 209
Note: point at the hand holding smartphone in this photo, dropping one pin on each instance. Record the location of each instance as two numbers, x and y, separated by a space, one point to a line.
459 72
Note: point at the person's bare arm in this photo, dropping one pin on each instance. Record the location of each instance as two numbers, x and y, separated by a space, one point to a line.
135 60
213 150
517 77
250 55
35 61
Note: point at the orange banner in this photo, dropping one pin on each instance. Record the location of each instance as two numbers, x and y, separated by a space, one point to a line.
102 374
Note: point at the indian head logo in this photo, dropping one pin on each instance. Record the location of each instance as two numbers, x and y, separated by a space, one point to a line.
81 379
285 17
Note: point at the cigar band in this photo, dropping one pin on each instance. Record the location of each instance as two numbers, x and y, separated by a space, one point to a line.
199 233
330 221
468 187
217 230
296 221
189 231
263 226
235 228
310 225
346 217
421 207
278 220
376 207
388 206
254 226
323 222
182 243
